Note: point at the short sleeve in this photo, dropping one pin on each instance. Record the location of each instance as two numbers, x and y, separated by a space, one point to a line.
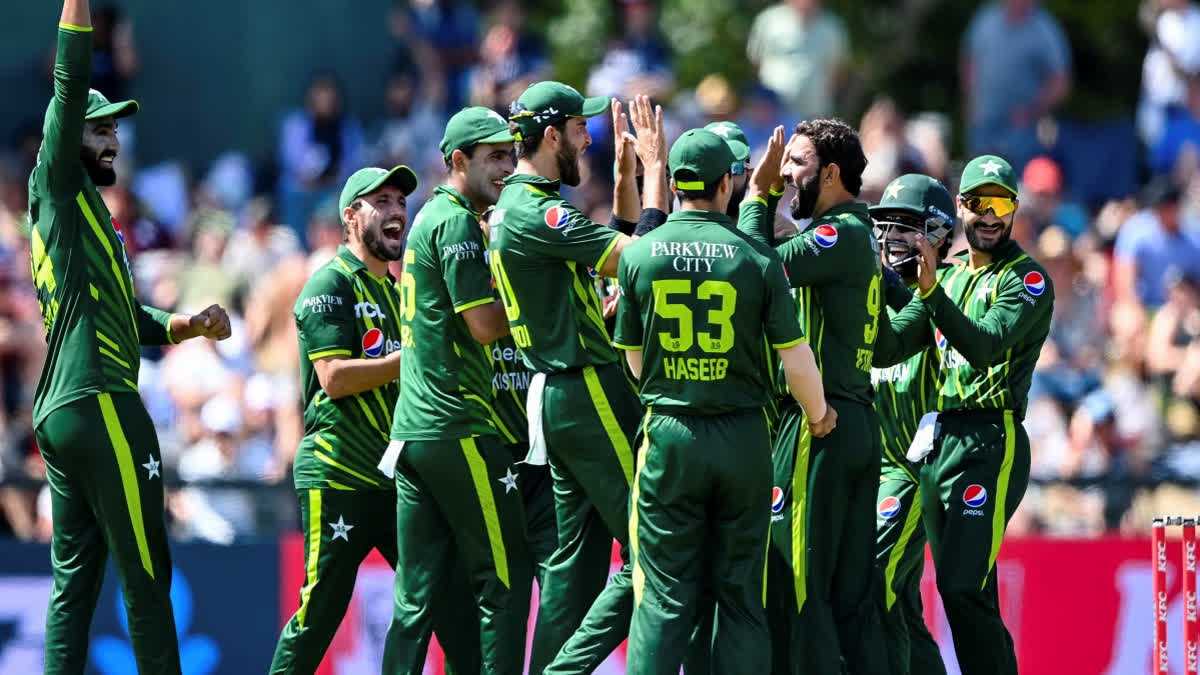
560 231
325 317
459 247
780 323
628 331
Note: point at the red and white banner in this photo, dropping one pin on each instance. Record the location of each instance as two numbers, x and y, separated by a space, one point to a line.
1083 607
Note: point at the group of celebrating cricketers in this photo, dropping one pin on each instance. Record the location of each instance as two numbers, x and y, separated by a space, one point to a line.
770 423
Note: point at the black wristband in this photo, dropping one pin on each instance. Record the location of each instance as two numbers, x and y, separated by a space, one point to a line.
622 226
650 219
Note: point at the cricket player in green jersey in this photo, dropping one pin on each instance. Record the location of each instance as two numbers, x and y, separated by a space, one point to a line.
583 412
988 316
456 494
348 323
101 452
510 385
823 564
912 204
698 297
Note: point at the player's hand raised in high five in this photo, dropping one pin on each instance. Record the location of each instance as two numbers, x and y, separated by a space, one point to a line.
766 175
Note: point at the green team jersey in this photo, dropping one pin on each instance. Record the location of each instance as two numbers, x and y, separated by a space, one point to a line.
344 310
697 297
543 251
445 375
903 394
989 326
510 387
94 324
834 267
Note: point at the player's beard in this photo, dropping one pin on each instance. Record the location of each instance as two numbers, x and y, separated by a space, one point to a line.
380 246
567 159
805 201
987 246
101 176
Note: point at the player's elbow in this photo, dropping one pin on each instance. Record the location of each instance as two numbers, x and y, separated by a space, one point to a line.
486 323
331 377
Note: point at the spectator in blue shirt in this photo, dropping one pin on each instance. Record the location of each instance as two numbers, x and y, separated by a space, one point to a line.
1153 244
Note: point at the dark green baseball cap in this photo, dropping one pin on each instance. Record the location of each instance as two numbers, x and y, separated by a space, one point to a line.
474 125
988 169
919 195
734 136
702 153
547 102
365 181
99 106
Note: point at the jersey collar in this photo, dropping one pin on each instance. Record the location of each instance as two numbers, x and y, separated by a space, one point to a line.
545 184
715 217
857 208
354 265
455 197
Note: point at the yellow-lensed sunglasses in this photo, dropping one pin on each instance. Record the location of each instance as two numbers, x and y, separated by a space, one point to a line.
1001 206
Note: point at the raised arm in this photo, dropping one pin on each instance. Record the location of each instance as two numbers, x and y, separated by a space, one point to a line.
63 129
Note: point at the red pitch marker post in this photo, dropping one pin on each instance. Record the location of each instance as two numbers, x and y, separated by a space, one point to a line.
1191 605
1158 553
1191 626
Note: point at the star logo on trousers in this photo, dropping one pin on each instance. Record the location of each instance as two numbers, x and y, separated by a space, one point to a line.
340 529
151 468
509 481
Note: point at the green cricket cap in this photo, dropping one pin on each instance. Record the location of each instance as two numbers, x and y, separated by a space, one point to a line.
365 181
734 136
704 155
547 102
919 195
988 169
473 125
99 106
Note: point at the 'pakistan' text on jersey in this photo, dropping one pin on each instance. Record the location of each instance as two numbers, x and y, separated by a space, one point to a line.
346 311
445 375
903 394
988 325
697 298
834 267
541 250
94 324
510 389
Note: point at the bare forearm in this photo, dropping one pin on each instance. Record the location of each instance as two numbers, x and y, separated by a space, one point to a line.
76 13
626 204
346 377
654 188
804 379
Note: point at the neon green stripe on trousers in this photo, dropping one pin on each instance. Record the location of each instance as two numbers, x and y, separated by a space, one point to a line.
487 503
129 482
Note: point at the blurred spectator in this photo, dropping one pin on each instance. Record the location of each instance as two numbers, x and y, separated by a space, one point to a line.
888 151
1016 66
141 232
800 52
1175 328
410 128
205 279
760 114
1180 140
1043 200
1150 244
222 453
444 36
511 58
258 245
319 147
1172 59
929 134
637 61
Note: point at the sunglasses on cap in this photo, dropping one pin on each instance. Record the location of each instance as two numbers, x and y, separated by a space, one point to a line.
1001 206
737 168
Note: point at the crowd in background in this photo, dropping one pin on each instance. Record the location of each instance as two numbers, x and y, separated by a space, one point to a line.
1113 419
